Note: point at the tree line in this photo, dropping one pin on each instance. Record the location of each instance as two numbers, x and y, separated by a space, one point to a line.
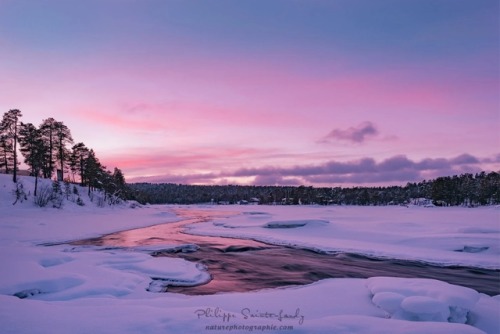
49 150
466 190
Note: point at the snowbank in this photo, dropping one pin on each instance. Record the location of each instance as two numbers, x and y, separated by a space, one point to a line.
422 299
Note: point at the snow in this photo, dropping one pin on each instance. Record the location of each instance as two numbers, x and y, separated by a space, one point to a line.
422 299
77 289
388 301
426 309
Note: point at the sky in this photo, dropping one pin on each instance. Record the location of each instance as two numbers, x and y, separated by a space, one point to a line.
262 92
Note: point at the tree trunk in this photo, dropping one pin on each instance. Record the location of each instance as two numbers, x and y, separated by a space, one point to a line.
14 178
6 162
36 184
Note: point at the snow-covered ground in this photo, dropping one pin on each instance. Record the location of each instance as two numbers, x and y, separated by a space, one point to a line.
85 290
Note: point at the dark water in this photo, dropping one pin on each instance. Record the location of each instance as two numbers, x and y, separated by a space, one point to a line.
247 265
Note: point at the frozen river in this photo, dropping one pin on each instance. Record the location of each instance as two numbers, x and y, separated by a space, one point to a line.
247 265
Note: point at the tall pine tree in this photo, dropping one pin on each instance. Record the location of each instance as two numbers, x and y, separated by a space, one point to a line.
77 161
33 150
6 153
47 129
63 137
28 138
93 171
10 128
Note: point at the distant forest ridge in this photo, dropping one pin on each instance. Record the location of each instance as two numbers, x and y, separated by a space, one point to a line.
458 190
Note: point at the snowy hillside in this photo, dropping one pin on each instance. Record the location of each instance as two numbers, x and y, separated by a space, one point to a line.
64 288
70 196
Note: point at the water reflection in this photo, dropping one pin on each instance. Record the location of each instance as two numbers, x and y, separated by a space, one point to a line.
169 233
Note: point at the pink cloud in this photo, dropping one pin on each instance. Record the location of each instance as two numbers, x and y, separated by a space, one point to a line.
356 134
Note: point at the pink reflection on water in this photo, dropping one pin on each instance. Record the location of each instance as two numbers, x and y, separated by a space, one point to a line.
171 234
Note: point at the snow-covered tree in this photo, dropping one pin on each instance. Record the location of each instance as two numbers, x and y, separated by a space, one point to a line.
57 195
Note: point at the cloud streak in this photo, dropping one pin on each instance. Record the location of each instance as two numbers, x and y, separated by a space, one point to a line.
357 134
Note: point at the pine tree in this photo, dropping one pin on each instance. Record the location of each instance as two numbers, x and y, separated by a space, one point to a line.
108 184
28 138
6 153
57 195
33 149
119 181
9 127
63 137
47 129
77 161
93 171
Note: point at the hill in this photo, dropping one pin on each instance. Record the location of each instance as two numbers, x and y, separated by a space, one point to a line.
51 194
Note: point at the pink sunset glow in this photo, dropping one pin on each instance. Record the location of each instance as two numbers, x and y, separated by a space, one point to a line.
326 93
